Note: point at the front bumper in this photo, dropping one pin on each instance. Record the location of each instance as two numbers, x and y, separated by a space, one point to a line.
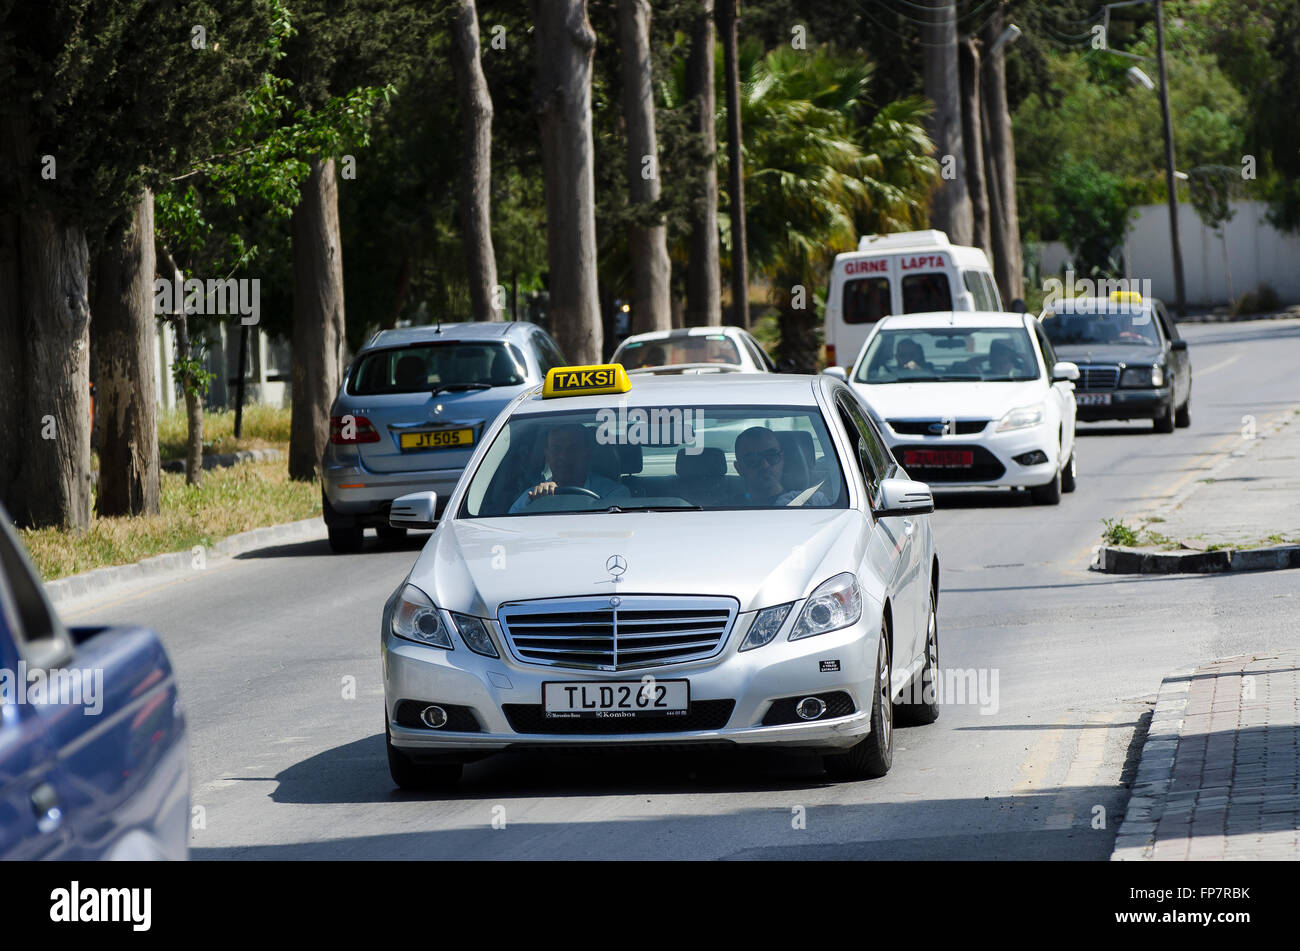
1001 447
753 679
1128 404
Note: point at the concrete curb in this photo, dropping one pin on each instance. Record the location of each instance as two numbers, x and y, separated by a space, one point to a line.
224 459
1230 319
104 580
1136 561
1146 805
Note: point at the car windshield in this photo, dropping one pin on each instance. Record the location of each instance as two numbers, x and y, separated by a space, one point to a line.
658 458
1107 325
669 351
949 354
444 365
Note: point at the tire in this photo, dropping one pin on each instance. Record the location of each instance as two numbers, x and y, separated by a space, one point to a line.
871 757
926 708
390 533
1164 423
346 541
1070 474
408 774
1049 494
1183 416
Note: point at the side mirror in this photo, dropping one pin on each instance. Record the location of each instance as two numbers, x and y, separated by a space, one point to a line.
838 372
1178 344
417 510
903 497
1064 371
1018 306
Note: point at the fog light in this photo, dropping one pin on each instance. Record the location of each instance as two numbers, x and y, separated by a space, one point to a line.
810 708
434 717
1035 458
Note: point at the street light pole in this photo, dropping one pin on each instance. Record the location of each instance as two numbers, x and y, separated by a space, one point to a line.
1170 183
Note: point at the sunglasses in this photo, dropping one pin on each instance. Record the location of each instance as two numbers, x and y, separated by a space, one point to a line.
750 460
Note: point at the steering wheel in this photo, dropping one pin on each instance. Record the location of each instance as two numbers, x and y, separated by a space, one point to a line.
575 490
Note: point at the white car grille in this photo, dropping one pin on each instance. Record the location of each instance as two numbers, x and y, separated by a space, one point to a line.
618 632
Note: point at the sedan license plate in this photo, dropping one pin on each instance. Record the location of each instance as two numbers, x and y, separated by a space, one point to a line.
613 699
1092 399
439 439
939 458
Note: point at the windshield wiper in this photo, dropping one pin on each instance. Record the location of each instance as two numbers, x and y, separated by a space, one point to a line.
458 387
688 507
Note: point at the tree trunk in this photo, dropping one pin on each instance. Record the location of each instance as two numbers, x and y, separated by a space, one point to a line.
735 169
951 209
318 338
703 270
1000 170
798 327
125 385
475 162
193 405
13 379
647 243
565 47
972 139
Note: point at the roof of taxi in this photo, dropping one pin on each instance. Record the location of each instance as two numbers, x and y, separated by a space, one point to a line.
682 332
430 333
955 318
751 389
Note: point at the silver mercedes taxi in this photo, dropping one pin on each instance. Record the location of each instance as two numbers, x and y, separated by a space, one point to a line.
690 560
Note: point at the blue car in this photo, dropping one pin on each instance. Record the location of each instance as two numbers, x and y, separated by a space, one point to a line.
93 744
413 405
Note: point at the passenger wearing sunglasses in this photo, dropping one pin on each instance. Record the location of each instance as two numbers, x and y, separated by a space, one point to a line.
760 461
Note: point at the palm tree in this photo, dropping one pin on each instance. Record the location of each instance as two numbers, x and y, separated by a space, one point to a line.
815 178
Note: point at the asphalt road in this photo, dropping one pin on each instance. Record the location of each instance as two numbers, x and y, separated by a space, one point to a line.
277 655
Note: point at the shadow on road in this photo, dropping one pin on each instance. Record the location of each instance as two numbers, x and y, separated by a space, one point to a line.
411 542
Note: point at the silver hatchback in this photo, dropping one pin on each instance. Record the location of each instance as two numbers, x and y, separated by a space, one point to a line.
413 405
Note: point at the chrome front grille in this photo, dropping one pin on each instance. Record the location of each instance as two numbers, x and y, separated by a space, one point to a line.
616 632
1097 378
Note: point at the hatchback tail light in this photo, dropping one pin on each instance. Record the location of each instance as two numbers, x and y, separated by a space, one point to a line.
350 430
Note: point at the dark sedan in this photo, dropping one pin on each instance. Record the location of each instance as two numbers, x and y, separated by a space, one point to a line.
1132 363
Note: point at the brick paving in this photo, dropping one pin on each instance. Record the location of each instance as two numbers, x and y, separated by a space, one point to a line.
1219 776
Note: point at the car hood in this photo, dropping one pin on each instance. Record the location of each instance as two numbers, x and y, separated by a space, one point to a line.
1128 354
950 400
760 558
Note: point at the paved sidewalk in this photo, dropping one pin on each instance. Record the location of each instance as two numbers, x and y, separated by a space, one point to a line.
1242 513
1219 773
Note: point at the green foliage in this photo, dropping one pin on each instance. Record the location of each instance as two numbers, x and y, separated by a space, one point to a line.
1117 533
1211 187
1091 214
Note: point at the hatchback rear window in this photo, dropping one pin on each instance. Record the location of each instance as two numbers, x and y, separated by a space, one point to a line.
866 300
924 293
671 351
425 366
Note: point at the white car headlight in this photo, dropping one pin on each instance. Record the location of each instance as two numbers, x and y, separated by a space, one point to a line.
835 604
1023 417
766 624
1143 376
415 618
474 633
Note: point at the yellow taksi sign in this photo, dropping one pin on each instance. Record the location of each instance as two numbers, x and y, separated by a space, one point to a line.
586 381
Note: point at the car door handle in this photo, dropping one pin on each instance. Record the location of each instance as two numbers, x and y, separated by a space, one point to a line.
45 806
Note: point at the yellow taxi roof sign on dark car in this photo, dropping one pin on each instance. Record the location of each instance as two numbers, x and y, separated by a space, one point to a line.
1125 297
586 380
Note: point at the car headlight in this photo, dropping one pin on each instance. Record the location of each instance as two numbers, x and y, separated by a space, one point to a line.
766 624
835 604
416 618
1143 376
1023 417
474 633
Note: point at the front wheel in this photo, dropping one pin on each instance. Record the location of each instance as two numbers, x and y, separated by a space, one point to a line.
1070 474
1183 418
1165 422
923 709
409 774
1049 494
871 756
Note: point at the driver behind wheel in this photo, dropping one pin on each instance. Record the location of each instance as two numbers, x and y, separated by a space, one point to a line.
569 459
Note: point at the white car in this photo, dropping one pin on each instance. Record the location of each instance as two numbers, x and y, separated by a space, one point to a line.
694 350
731 559
972 400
